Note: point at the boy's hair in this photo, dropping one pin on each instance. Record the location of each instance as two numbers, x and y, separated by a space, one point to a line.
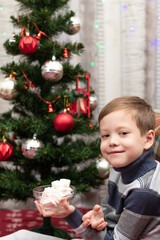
140 110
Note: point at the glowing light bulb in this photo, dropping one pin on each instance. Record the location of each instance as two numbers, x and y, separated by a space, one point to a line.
132 28
155 42
96 25
102 46
92 64
124 7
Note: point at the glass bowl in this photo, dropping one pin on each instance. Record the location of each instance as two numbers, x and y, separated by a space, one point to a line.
38 192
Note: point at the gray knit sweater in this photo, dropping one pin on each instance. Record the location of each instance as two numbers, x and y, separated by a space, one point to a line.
132 204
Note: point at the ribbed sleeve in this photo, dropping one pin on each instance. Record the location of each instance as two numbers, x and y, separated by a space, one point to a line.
74 219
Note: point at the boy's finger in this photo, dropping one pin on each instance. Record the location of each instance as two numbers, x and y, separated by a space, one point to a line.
101 226
86 223
38 206
97 223
87 215
64 203
97 208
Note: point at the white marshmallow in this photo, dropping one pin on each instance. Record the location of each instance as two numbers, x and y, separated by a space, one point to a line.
59 189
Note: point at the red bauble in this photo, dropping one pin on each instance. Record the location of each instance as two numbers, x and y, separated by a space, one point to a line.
63 122
28 45
6 151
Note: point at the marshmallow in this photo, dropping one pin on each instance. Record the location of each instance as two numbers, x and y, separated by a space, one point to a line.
59 189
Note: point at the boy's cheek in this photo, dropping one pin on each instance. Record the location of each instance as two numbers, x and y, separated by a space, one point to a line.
102 147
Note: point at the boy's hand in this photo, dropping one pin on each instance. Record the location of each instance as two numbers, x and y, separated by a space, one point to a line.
64 210
94 218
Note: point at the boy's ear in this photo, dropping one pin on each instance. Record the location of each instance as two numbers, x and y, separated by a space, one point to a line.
150 138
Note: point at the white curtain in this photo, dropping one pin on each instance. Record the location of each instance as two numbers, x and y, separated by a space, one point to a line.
133 47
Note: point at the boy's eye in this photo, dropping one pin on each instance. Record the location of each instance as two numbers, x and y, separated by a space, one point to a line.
123 133
106 135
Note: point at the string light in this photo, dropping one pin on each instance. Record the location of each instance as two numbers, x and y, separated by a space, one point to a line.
92 64
132 28
155 42
96 25
124 7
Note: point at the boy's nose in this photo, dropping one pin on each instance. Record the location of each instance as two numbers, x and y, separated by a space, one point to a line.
113 140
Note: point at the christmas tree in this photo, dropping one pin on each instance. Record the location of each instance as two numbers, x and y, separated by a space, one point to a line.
50 133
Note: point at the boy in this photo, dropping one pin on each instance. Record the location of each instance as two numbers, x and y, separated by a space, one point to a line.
132 205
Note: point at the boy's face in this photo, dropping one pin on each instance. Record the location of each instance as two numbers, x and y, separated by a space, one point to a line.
121 140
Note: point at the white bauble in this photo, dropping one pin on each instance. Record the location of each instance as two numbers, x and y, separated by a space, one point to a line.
52 70
7 88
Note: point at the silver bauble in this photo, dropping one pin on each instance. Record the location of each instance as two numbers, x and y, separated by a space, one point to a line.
7 88
103 167
52 70
31 147
74 25
93 102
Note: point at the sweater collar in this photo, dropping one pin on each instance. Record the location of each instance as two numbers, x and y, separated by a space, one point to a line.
137 168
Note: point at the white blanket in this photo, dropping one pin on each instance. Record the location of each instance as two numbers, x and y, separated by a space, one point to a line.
28 235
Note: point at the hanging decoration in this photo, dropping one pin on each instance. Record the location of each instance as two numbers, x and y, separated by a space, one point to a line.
82 104
31 85
7 87
63 122
93 102
67 106
52 70
30 148
29 44
6 150
65 53
103 168
74 25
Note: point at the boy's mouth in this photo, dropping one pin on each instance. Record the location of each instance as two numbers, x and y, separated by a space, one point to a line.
115 152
